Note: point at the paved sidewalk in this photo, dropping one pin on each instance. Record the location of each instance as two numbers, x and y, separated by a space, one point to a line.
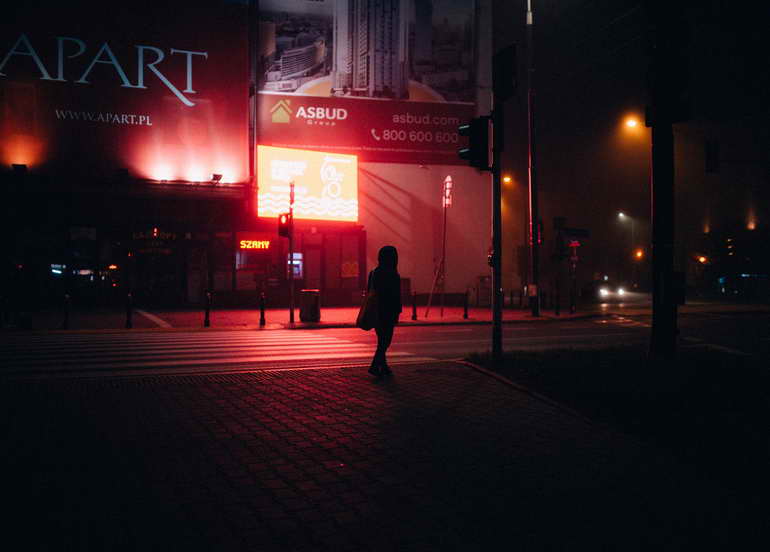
440 457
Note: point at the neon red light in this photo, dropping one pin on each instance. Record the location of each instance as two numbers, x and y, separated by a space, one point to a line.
325 184
256 244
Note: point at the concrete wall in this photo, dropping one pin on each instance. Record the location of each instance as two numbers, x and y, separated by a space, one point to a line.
400 205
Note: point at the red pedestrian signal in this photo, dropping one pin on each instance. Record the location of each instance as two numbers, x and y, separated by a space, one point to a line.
284 224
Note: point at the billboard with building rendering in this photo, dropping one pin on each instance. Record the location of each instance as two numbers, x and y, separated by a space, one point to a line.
388 80
159 89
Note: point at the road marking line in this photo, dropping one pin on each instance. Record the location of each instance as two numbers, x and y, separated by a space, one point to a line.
159 321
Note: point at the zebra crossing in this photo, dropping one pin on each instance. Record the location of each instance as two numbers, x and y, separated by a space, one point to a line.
84 354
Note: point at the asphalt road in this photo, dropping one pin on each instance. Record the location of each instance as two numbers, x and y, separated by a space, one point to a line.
133 353
740 333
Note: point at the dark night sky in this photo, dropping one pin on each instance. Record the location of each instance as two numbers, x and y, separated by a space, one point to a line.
591 68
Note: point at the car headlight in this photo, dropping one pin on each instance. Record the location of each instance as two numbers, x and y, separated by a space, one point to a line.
621 291
604 292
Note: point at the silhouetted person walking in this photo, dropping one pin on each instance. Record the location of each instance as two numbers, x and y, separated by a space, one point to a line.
386 283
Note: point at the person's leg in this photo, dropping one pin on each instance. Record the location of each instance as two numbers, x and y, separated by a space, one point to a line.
379 354
384 339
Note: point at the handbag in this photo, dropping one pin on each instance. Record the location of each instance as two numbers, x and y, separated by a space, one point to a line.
367 314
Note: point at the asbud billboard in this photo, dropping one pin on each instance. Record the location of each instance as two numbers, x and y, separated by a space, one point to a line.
388 131
325 184
388 81
158 88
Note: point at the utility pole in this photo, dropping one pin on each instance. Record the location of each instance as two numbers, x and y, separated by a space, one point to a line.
534 228
503 87
498 118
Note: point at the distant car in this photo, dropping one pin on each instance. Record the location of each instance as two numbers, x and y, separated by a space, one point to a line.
605 291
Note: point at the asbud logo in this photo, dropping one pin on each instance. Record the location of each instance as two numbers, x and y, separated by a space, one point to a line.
281 112
322 113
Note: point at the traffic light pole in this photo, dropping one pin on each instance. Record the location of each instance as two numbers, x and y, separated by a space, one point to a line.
291 253
498 118
664 110
534 227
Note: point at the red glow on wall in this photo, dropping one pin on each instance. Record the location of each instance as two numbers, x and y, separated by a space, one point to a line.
22 149
159 91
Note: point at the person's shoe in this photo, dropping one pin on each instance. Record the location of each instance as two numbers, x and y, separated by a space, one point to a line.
385 370
375 371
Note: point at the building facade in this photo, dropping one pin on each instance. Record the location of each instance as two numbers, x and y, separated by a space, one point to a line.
130 163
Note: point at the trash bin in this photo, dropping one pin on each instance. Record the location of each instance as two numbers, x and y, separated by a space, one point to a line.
310 305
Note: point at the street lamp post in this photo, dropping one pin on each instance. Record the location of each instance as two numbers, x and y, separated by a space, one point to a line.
534 228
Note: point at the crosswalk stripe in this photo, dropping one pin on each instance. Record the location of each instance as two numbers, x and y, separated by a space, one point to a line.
84 356
149 338
212 361
98 347
67 353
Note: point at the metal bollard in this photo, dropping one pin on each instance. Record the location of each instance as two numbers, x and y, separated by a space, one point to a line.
465 305
206 319
129 311
262 309
414 305
66 322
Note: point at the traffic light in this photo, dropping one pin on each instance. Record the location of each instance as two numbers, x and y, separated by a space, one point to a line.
284 224
477 151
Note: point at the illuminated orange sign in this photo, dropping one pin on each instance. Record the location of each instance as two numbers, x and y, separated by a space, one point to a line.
254 244
325 184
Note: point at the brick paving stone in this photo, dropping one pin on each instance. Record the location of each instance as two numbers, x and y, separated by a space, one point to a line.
440 457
